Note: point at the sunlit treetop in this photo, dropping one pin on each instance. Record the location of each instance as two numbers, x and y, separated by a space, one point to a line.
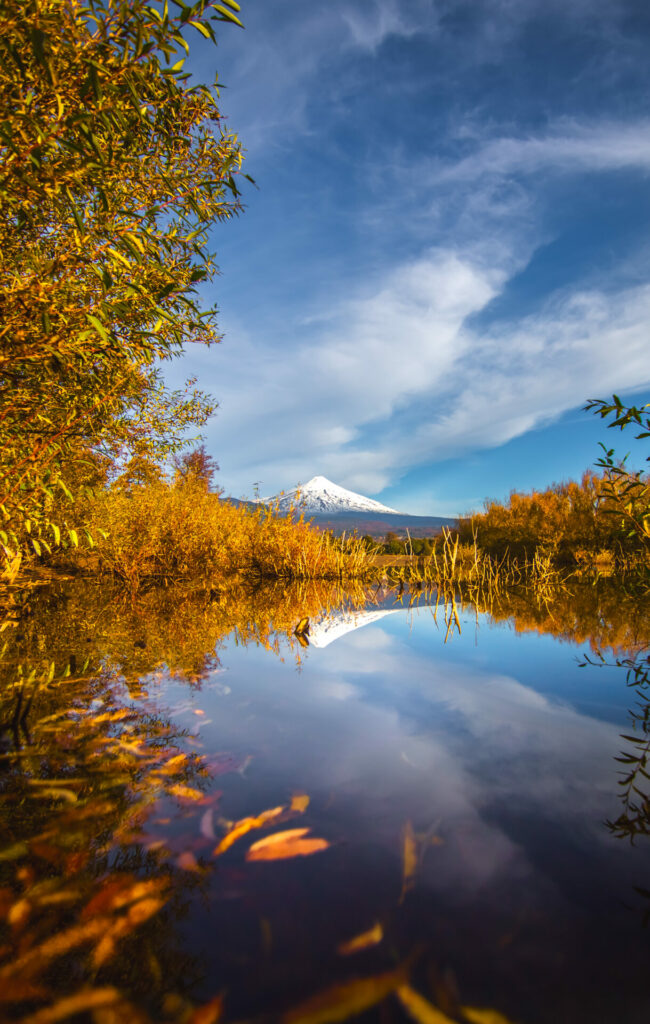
113 168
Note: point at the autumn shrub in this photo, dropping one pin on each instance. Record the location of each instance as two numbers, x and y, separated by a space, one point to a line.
569 522
163 533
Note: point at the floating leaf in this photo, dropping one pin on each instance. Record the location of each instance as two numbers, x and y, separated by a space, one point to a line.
299 802
419 1008
283 845
362 941
240 828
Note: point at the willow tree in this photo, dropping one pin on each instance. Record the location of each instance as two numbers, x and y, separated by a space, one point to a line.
114 165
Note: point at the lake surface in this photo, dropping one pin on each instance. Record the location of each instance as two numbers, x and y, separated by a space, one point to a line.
458 768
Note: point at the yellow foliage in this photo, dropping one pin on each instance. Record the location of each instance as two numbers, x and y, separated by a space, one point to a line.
161 533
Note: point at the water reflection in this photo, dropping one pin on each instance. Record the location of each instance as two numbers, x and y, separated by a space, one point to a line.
456 795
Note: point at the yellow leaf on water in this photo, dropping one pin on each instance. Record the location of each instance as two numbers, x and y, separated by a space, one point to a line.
346 1000
299 802
419 1008
240 828
409 858
283 845
363 941
484 1016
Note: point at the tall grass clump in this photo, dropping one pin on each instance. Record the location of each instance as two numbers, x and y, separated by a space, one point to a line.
165 533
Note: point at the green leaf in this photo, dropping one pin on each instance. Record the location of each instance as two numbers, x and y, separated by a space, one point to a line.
99 327
205 30
72 534
36 546
228 15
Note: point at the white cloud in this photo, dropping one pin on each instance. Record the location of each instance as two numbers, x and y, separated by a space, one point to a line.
281 417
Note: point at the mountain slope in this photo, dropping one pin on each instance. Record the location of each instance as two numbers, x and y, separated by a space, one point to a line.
321 495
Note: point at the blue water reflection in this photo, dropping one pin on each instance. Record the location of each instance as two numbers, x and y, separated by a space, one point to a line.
497 747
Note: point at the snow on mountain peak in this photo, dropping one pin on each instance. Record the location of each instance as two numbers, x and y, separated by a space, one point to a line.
321 495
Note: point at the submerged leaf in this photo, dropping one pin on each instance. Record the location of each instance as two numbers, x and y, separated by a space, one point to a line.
283 845
362 941
346 1000
70 1006
481 1016
209 1013
419 1008
409 858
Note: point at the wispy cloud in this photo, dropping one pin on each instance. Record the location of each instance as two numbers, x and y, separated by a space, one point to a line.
566 148
400 377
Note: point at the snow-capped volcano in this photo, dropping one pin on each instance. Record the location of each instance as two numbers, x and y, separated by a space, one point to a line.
321 495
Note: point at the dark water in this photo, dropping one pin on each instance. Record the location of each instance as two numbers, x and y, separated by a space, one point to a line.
461 775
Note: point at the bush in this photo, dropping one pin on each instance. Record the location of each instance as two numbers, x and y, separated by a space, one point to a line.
162 533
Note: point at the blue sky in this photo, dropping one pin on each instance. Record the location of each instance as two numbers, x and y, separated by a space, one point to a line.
448 250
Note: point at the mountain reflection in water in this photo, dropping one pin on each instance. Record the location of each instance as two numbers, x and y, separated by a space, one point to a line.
443 806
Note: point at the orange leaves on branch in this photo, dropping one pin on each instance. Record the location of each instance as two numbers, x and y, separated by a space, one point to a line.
283 845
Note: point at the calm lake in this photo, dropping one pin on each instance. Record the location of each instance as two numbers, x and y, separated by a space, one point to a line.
445 776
